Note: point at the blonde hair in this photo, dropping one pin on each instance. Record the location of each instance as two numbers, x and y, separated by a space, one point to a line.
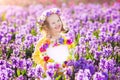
46 25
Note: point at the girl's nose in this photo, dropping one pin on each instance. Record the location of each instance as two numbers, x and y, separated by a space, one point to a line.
57 24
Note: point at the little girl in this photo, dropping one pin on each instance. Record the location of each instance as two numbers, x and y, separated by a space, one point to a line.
54 46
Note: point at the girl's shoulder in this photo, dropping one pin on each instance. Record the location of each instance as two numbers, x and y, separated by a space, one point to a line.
41 41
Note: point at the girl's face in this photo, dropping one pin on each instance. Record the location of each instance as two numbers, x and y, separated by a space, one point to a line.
55 24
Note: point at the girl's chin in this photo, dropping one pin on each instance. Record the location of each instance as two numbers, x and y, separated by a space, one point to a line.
58 30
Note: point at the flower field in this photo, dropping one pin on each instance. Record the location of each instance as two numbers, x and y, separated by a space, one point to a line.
94 28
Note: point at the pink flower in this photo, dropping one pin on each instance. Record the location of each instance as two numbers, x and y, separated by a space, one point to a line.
69 41
55 44
57 66
42 49
46 58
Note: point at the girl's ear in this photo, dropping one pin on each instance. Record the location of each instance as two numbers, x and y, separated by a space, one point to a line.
45 28
45 25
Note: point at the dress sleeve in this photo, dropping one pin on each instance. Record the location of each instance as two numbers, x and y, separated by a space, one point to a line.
36 56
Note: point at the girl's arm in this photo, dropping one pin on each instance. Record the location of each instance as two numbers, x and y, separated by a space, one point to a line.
36 56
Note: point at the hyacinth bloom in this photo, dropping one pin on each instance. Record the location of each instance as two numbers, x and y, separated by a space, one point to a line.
99 76
83 75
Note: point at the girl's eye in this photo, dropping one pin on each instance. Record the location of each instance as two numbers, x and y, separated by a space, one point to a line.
53 23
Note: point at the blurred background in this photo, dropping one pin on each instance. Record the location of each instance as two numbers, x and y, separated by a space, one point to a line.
95 29
57 2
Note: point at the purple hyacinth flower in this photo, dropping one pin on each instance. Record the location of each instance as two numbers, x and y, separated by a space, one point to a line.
61 40
48 13
39 71
50 73
31 72
21 77
45 46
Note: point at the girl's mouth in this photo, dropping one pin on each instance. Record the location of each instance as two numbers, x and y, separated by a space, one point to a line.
58 27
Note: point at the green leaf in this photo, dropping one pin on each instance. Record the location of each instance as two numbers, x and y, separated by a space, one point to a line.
33 32
23 38
118 58
96 33
34 64
102 20
23 72
3 17
0 52
18 72
77 39
13 38
104 44
44 75
76 56
59 77
113 44
15 25
29 51
111 21
88 55
99 48
8 53
87 50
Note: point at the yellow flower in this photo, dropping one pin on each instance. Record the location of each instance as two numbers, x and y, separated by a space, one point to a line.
50 60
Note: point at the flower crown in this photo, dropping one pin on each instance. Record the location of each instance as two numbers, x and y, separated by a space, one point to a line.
47 13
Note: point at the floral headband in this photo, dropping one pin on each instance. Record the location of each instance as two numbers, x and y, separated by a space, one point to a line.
47 13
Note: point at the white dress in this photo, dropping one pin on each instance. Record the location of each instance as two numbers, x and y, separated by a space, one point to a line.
58 53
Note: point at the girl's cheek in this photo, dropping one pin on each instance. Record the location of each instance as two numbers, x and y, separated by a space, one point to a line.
60 23
54 26
51 25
